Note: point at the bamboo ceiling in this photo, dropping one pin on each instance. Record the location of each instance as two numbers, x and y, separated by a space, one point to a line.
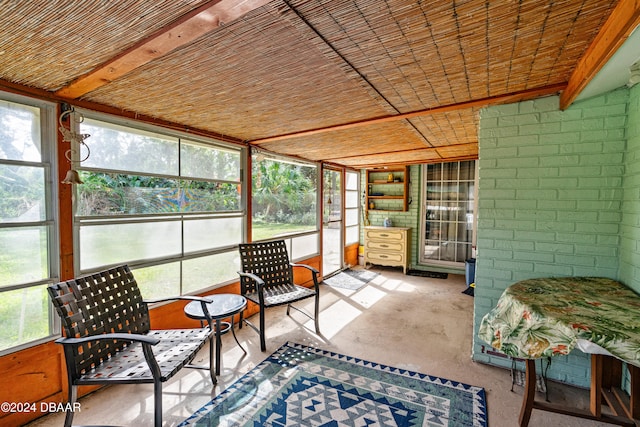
356 83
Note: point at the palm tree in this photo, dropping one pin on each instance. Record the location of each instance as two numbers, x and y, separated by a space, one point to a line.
283 191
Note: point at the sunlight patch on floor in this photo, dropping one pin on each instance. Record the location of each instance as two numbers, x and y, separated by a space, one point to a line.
336 317
368 296
397 285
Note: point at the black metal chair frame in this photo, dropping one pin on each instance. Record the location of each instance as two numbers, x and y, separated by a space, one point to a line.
267 280
108 339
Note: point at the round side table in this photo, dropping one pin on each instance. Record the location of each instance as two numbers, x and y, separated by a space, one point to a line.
221 307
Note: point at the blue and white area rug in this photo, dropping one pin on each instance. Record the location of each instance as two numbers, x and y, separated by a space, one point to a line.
304 386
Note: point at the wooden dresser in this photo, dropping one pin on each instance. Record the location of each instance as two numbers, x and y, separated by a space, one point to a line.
387 246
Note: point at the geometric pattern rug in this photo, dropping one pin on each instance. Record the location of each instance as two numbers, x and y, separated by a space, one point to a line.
303 386
351 279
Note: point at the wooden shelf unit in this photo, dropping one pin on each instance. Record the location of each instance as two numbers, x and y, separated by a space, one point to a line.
394 194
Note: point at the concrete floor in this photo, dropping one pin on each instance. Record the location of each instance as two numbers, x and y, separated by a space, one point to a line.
415 323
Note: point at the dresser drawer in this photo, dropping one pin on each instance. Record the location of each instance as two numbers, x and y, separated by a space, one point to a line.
385 235
385 256
385 246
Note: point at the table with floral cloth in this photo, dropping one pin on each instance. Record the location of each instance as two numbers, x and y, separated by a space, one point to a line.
545 317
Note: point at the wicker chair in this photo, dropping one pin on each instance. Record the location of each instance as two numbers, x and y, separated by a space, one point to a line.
108 338
267 280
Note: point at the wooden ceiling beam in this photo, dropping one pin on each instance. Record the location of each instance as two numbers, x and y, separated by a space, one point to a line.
185 30
386 163
404 157
483 102
30 91
622 21
411 151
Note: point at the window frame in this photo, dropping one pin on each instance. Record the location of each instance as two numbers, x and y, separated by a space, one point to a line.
290 238
357 208
49 165
423 259
180 217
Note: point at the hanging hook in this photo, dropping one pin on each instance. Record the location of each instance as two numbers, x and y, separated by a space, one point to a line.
72 137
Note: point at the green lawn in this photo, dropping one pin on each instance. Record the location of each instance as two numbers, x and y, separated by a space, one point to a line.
24 312
263 231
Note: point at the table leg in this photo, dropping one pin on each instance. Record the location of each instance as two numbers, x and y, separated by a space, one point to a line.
612 393
234 335
214 379
218 344
595 402
529 403
634 403
529 392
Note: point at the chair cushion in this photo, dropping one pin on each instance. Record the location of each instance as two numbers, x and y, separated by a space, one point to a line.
282 294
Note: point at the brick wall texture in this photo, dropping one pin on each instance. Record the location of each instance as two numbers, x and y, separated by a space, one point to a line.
558 195
630 225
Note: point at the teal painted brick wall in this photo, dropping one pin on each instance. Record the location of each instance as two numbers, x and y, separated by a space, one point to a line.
630 227
549 202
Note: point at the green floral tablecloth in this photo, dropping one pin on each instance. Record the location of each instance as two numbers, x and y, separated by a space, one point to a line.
546 317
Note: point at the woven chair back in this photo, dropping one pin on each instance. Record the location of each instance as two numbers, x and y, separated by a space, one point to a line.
105 302
267 260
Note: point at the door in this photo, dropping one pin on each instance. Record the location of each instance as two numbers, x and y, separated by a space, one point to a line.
332 241
448 212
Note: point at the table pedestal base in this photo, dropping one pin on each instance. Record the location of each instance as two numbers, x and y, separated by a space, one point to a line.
222 306
606 374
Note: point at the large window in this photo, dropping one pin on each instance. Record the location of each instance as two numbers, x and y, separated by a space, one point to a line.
448 212
168 206
27 234
285 203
